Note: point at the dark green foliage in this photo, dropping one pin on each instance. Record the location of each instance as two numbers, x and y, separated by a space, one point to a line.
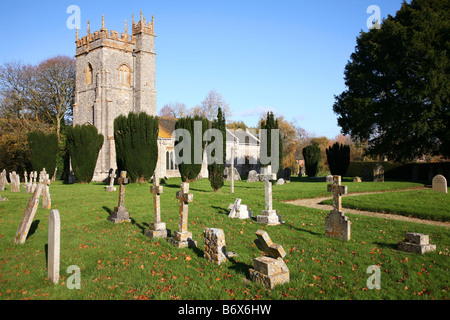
136 140
44 149
398 82
266 149
215 170
312 157
83 143
338 157
189 170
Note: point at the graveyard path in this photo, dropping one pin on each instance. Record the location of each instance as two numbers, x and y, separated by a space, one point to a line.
315 204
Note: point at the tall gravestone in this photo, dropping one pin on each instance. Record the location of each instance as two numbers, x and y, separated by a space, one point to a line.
53 252
120 213
440 183
28 216
183 238
15 182
3 180
378 173
337 224
46 200
157 229
214 245
268 215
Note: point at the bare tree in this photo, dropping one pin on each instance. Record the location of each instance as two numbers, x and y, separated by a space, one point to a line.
209 107
174 110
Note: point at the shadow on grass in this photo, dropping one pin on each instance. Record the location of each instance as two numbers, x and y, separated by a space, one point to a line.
393 246
33 228
240 267
221 210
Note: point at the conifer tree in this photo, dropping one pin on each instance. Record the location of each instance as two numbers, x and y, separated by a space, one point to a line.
338 157
312 157
44 149
215 170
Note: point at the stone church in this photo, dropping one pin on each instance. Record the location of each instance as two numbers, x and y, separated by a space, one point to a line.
115 74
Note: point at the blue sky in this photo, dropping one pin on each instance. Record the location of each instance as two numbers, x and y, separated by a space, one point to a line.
286 55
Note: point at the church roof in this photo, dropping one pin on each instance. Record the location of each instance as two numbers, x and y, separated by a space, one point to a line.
166 127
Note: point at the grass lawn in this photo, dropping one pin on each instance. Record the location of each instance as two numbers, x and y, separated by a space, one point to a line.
425 204
119 262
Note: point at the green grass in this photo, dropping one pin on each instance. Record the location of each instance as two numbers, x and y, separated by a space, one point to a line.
424 204
119 262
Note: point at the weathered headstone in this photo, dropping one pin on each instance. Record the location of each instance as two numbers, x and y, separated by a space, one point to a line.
46 200
285 174
238 210
183 238
120 213
357 179
440 183
25 179
337 224
156 229
378 173
28 216
269 270
214 245
280 182
416 242
329 179
253 176
53 252
268 216
227 174
3 180
111 187
15 182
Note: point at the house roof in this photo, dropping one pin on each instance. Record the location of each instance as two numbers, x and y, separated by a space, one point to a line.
243 136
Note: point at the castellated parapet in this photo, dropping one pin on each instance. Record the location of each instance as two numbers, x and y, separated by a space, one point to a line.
115 74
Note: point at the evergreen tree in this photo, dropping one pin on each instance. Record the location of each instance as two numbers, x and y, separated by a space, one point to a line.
312 157
338 157
44 149
83 143
136 141
269 124
215 170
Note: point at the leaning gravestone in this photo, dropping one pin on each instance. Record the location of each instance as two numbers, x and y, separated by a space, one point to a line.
378 173
183 238
53 255
28 216
416 242
238 210
214 245
269 270
268 216
120 213
157 229
337 224
440 183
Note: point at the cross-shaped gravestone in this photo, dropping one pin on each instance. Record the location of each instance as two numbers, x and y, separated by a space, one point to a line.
25 179
46 200
266 245
336 223
28 216
182 237
268 216
238 210
157 229
111 187
120 213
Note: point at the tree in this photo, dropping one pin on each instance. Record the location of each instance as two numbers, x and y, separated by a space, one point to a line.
136 140
83 143
338 157
44 149
174 110
209 107
312 157
397 84
268 124
215 170
188 164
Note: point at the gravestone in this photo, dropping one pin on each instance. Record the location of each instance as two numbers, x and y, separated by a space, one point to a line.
15 181
440 183
111 187
156 229
34 178
25 179
238 210
227 174
357 179
3 180
53 252
416 242
269 270
269 216
285 174
28 216
46 200
214 245
280 182
183 238
329 179
120 213
378 173
337 224
253 176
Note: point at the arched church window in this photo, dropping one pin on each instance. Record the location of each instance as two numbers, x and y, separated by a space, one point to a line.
124 75
171 160
167 161
88 74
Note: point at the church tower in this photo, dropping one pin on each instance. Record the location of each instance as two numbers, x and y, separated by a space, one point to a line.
115 74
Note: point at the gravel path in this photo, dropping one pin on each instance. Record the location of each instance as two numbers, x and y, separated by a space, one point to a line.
315 203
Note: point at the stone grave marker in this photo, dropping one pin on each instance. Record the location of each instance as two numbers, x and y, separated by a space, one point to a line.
53 252
378 173
329 179
280 182
111 187
269 216
25 179
269 270
238 210
46 200
214 245
416 242
120 213
183 238
157 229
337 224
15 181
253 176
28 216
357 179
3 180
440 183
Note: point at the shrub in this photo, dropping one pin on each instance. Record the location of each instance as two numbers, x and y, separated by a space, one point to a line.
215 170
136 140
83 143
338 157
44 149
312 157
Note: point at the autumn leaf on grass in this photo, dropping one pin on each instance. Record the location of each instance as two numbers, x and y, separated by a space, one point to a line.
188 258
316 278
